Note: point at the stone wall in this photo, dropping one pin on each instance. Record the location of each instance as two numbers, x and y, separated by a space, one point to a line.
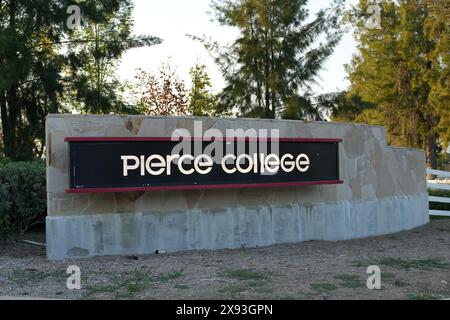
384 191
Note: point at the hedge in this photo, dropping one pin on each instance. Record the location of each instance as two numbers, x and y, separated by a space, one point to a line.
23 198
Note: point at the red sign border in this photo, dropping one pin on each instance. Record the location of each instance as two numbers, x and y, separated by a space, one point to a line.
201 187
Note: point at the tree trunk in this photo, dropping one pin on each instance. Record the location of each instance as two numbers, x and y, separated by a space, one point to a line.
11 109
10 130
4 120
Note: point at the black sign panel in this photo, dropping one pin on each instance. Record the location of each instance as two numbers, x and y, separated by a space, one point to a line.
142 164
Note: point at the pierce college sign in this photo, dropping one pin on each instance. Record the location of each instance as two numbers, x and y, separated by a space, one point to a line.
144 164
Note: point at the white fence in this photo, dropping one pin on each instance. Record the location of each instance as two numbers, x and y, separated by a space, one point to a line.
438 185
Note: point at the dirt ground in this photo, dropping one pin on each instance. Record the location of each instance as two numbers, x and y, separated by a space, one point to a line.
414 265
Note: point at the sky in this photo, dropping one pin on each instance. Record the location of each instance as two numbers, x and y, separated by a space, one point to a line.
171 20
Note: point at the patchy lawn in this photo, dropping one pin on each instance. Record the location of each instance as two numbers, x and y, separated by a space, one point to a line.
414 264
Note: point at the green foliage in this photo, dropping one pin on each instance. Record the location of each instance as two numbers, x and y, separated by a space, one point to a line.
6 225
347 107
276 57
92 64
201 101
299 108
403 70
23 198
4 161
46 67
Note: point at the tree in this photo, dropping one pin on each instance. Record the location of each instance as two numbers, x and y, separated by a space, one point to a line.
162 94
201 101
40 66
28 71
93 63
276 56
346 107
402 68
437 29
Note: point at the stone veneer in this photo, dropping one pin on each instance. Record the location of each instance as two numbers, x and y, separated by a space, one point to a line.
384 191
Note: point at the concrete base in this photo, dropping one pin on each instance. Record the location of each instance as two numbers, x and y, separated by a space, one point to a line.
138 233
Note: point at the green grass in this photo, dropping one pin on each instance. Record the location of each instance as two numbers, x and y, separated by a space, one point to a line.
32 276
349 281
245 274
126 286
251 280
421 264
166 277
424 296
125 289
323 287
130 285
387 276
359 264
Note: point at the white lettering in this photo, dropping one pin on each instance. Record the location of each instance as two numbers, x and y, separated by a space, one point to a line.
198 164
127 166
302 163
224 163
180 164
291 163
187 164
74 280
160 164
272 163
240 159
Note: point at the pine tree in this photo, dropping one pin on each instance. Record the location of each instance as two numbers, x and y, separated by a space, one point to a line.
95 51
402 68
276 57
38 50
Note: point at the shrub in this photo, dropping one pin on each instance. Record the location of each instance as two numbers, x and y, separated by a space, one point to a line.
6 227
4 161
23 198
